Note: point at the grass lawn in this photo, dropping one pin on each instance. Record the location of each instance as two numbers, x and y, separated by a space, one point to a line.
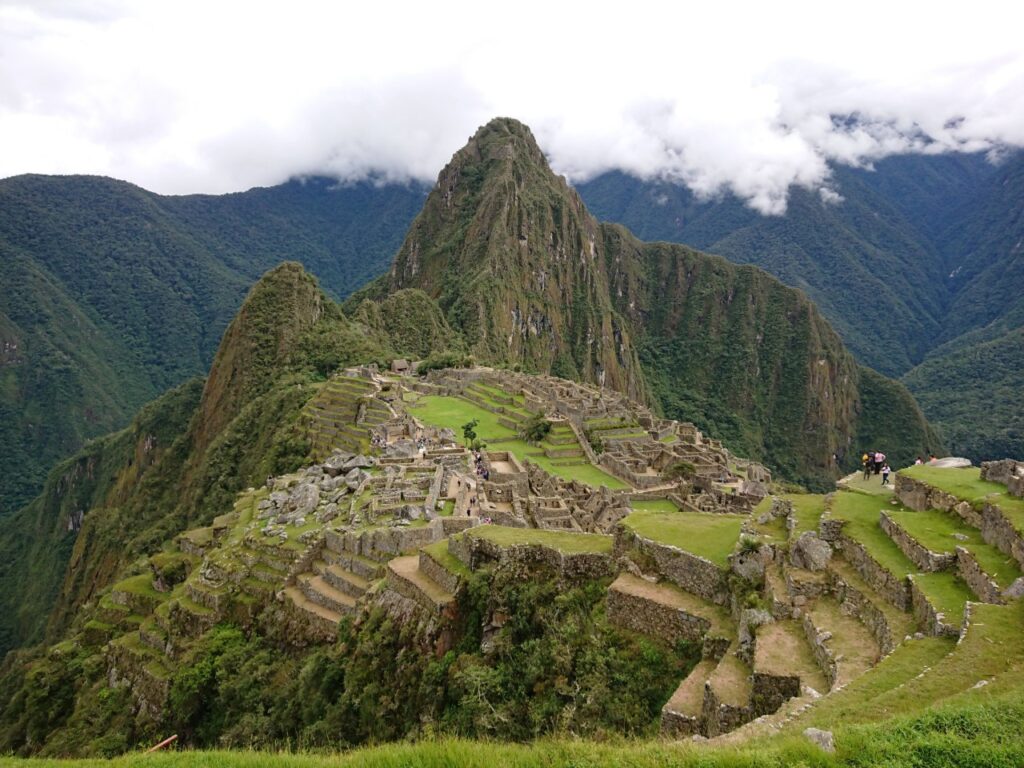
967 484
861 514
453 412
563 541
653 505
935 530
854 702
873 484
807 509
947 593
707 535
439 552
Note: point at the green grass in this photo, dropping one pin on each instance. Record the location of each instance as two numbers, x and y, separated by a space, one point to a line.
851 703
967 484
439 552
653 505
447 508
563 541
873 484
860 511
711 536
935 530
807 510
140 585
453 412
947 593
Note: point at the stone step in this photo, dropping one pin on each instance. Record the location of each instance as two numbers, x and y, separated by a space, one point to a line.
342 579
324 619
887 623
317 589
406 578
784 664
681 715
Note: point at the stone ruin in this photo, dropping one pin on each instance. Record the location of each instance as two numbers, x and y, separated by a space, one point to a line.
1007 472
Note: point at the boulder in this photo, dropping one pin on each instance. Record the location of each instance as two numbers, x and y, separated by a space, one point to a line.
810 552
355 478
303 500
335 465
754 488
950 462
1015 590
821 738
358 462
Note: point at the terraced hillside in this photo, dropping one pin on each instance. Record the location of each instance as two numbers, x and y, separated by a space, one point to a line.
686 600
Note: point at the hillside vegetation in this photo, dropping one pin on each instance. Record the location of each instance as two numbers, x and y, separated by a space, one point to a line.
917 268
110 295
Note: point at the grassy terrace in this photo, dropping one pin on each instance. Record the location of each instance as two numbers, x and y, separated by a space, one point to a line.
563 541
453 412
807 510
967 484
947 593
439 552
711 536
860 512
938 531
653 505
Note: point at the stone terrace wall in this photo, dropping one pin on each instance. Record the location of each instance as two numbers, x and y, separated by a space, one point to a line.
651 618
437 572
694 574
860 605
718 718
822 653
573 567
893 589
919 497
981 583
1008 472
1000 533
928 618
772 691
922 557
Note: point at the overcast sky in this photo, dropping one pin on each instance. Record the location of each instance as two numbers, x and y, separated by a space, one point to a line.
212 96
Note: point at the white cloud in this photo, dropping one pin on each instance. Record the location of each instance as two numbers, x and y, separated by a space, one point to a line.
742 98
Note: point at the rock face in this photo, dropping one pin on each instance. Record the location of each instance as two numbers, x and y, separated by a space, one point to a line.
810 552
821 738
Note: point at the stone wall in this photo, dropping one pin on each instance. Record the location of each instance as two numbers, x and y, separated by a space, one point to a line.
922 557
831 530
920 496
823 656
450 582
148 689
931 621
981 583
718 718
858 604
688 571
1008 472
656 619
571 567
894 590
1000 533
772 691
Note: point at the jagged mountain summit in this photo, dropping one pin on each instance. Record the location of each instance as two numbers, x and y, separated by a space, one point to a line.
527 276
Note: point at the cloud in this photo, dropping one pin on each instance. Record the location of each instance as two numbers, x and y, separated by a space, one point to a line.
740 98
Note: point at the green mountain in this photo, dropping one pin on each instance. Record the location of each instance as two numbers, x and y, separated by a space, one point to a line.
917 265
110 294
530 278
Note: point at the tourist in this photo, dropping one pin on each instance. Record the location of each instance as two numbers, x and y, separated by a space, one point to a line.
885 474
879 461
918 461
867 460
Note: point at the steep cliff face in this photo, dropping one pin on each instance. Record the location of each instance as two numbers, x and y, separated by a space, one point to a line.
731 348
513 258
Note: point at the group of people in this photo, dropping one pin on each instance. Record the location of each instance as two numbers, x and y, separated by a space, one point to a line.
481 470
874 463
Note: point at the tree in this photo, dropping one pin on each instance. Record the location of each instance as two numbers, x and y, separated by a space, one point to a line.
469 431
